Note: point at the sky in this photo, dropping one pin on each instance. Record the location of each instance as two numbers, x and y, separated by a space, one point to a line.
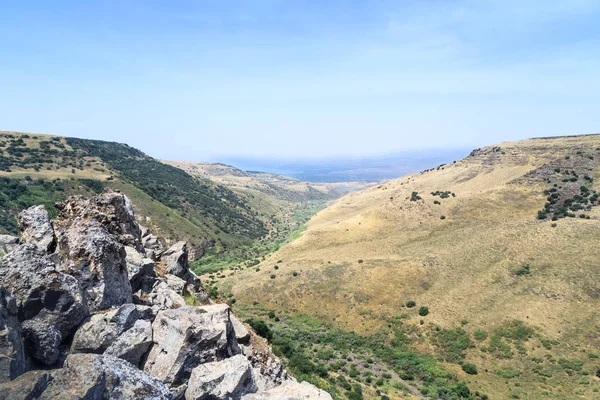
205 80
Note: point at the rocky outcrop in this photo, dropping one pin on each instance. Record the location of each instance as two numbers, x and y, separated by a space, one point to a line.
133 344
176 260
242 334
290 390
92 255
12 353
7 244
36 228
151 244
187 337
28 386
140 270
102 329
42 340
227 379
162 297
51 300
95 310
90 376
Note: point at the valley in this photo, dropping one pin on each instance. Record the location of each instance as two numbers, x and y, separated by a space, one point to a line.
473 279
488 264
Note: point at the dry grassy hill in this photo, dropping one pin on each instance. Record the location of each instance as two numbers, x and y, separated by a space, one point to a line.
501 247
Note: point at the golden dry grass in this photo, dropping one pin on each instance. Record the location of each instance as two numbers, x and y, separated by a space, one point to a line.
462 267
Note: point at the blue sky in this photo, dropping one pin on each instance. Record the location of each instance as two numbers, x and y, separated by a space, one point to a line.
206 79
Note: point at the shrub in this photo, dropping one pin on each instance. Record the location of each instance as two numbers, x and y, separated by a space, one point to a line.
261 328
480 335
271 314
423 311
525 269
360 261
508 373
443 217
273 276
470 368
411 303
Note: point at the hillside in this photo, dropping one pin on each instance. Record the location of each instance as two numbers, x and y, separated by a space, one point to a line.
44 169
489 264
275 197
282 203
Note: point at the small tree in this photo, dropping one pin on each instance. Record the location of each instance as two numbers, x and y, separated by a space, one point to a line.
423 311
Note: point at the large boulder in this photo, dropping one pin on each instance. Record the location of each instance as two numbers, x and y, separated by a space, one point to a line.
42 340
89 376
44 294
161 297
12 354
112 210
187 337
28 386
102 329
133 344
290 390
242 335
97 260
36 228
176 263
140 270
227 379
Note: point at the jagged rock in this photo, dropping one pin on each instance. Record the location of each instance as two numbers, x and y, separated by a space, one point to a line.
97 260
42 340
110 209
36 228
227 379
182 288
133 343
43 293
89 376
102 329
242 334
290 390
162 297
269 371
140 270
176 283
8 244
28 386
176 259
12 354
187 337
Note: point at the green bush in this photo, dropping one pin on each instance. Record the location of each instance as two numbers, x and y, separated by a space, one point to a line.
261 328
480 335
423 311
411 303
470 368
508 372
525 269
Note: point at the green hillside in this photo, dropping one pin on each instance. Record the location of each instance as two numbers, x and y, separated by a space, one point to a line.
44 169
